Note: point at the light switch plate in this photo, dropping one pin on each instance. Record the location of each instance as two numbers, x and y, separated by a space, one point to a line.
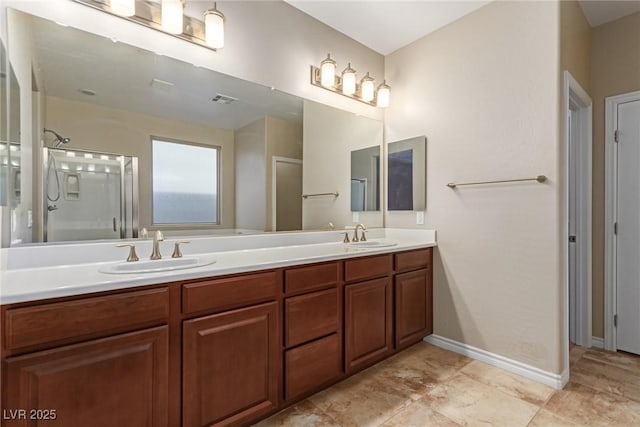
420 217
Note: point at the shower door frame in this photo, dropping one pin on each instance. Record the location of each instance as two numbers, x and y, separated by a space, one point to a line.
134 190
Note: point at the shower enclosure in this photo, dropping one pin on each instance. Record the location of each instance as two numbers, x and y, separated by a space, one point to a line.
89 195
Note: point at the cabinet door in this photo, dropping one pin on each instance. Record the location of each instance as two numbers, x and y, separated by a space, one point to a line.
368 322
231 366
414 312
116 381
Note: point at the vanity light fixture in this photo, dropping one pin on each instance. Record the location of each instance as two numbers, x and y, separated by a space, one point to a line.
367 88
172 13
349 84
168 17
383 94
214 28
328 72
346 84
123 7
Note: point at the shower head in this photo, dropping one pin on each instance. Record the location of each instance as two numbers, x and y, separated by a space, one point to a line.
59 138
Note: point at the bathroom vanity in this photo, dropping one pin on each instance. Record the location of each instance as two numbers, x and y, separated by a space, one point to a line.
218 349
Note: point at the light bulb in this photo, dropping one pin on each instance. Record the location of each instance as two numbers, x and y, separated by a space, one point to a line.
172 16
349 80
384 94
328 72
367 88
123 7
214 28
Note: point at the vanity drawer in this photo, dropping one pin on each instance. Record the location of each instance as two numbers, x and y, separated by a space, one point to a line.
310 316
311 277
414 260
364 268
230 292
39 326
312 365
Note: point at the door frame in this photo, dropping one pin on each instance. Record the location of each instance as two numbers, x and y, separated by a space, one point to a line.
274 160
576 98
611 214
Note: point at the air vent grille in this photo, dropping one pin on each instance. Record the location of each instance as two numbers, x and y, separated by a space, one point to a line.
223 99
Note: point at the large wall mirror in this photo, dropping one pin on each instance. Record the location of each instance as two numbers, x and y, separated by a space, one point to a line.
103 103
406 175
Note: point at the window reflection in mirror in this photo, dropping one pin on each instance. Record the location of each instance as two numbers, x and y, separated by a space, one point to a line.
406 175
365 179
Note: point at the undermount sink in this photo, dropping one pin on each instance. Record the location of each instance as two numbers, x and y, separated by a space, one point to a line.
371 244
155 266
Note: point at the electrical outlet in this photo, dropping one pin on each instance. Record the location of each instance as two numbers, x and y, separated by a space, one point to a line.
355 216
420 217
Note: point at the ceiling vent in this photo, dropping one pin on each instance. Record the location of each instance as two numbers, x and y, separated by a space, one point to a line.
223 99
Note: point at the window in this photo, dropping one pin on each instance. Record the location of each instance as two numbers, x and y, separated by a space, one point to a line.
184 183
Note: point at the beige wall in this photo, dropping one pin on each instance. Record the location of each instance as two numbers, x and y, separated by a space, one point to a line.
250 163
575 42
484 91
92 127
284 139
329 137
615 69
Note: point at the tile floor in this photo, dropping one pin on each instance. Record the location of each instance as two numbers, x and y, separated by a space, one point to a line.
428 386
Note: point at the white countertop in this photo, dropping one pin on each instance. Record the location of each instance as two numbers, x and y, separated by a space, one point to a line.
40 272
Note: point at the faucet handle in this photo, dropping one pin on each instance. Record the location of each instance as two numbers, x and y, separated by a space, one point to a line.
364 237
176 249
144 233
346 237
132 252
159 236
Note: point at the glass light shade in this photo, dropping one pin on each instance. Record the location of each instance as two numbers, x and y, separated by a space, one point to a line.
123 7
367 88
172 16
384 95
349 81
328 72
214 28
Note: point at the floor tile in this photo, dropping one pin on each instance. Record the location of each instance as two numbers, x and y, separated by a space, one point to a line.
545 418
589 407
576 352
362 401
512 384
606 377
304 413
472 403
418 414
622 360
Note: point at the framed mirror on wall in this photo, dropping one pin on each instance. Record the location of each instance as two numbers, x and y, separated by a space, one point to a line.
407 174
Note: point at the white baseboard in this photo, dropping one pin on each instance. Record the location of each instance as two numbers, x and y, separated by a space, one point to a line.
557 381
597 342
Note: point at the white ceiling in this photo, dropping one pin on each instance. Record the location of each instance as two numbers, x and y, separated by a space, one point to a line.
600 12
386 25
121 76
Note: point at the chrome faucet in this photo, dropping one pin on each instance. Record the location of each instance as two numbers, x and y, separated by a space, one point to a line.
355 233
157 238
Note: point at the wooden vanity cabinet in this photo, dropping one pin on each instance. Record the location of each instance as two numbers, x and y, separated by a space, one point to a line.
413 290
368 311
231 357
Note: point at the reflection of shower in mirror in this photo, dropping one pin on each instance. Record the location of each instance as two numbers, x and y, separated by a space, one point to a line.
94 194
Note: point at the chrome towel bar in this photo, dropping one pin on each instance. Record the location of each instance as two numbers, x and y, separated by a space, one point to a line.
334 194
539 178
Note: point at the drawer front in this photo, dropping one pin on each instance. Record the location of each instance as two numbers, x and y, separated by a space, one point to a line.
310 316
414 260
310 278
29 328
364 268
310 366
230 292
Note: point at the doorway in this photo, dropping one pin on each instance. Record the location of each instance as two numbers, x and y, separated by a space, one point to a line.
622 223
286 196
577 221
